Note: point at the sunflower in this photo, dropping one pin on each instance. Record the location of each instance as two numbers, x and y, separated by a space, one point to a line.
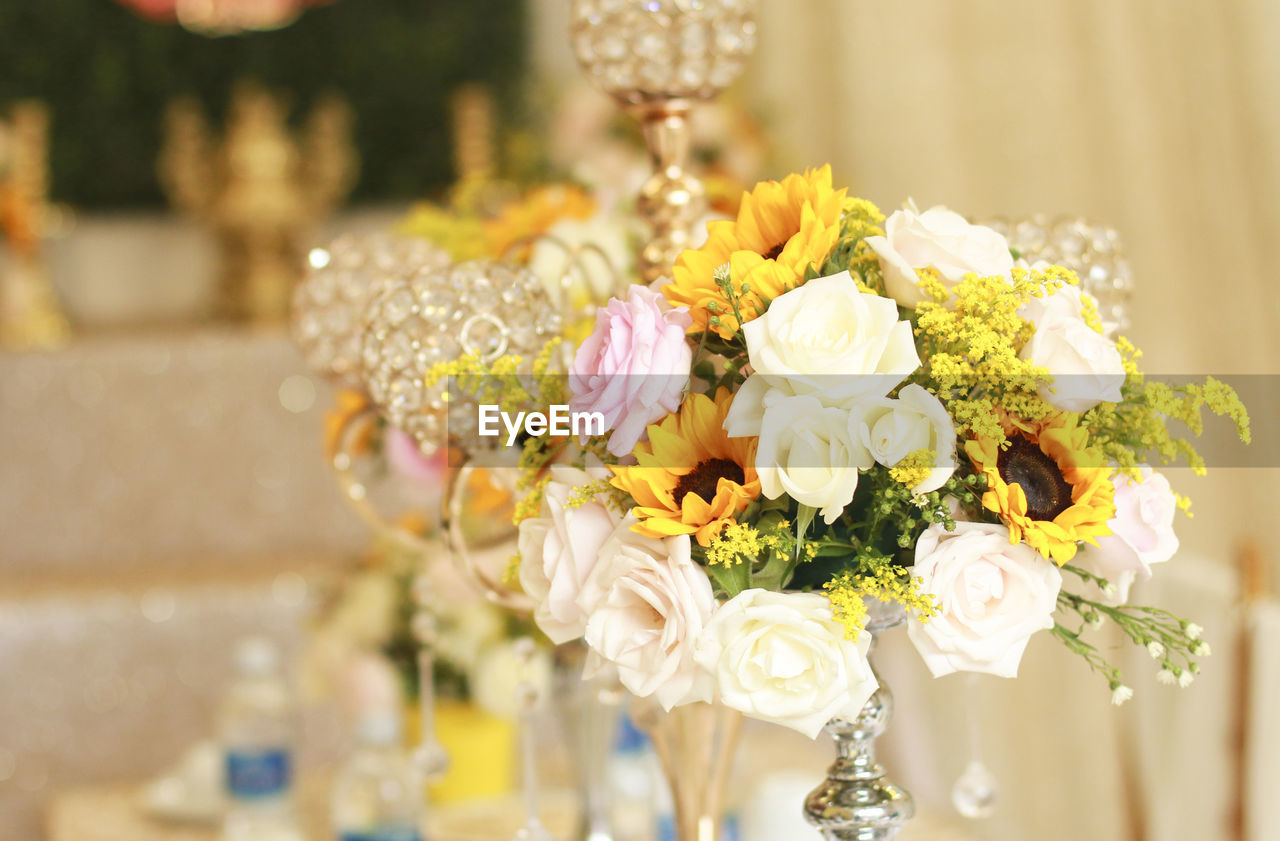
534 213
1048 485
691 478
782 228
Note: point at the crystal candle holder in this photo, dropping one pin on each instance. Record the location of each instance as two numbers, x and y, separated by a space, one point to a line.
656 58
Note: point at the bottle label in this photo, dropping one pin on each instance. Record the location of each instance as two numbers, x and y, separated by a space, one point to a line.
393 833
254 774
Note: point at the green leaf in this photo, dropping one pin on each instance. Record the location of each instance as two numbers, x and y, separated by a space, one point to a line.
732 579
774 574
804 518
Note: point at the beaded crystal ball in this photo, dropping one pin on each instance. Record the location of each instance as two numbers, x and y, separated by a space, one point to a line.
1094 252
329 304
646 50
484 308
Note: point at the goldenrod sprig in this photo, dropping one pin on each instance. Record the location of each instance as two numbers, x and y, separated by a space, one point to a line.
875 575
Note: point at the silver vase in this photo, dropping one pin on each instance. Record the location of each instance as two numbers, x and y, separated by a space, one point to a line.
857 802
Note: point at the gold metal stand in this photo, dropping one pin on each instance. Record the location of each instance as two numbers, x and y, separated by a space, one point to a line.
672 200
657 58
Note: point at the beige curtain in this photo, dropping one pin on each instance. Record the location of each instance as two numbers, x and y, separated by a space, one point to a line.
1159 117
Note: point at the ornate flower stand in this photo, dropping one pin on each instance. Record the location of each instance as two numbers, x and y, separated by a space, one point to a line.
857 802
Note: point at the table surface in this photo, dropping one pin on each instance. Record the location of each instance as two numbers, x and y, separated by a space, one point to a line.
116 813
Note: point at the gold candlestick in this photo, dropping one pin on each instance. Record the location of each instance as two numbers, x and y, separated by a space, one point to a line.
472 116
672 199
261 189
658 58
29 311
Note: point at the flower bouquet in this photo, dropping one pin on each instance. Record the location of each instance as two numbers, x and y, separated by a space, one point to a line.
822 409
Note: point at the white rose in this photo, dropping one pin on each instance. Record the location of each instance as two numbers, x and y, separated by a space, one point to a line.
823 338
992 595
1141 533
585 241
808 452
646 603
782 658
890 430
1086 366
1065 302
558 551
940 239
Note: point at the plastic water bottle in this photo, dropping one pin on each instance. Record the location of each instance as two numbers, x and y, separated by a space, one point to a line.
377 794
256 729
633 783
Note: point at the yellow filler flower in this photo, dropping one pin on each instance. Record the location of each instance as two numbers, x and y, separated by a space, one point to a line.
1048 486
782 228
691 478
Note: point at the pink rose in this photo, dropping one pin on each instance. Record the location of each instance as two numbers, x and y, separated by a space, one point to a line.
634 366
559 549
647 603
993 596
1141 534
408 460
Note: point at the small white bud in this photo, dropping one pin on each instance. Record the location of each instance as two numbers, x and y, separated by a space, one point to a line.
1166 677
1202 650
1194 631
1185 679
1095 620
1120 695
1109 590
1155 649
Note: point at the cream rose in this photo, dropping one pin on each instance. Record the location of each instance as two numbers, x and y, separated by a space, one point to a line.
1141 534
1086 366
993 597
890 430
808 452
782 658
824 338
646 603
1065 302
940 239
559 549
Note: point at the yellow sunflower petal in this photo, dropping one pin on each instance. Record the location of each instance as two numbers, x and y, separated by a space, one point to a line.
1061 439
698 428
790 224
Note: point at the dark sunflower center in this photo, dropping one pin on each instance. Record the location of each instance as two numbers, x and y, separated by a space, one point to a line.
772 253
702 480
1048 492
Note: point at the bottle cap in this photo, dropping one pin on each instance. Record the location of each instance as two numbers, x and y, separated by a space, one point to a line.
630 739
379 727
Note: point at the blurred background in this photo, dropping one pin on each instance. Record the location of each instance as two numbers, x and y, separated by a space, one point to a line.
165 166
